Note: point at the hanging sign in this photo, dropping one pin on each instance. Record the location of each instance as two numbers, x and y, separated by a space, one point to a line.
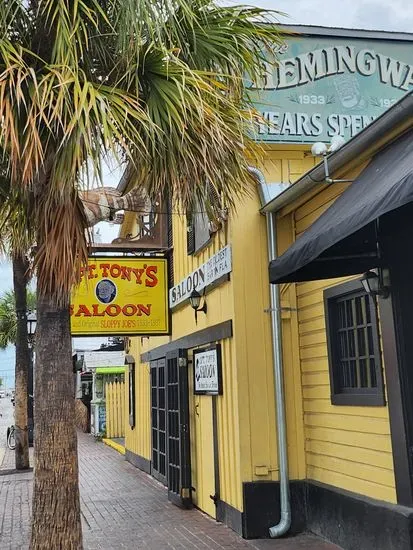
121 296
217 266
208 371
328 86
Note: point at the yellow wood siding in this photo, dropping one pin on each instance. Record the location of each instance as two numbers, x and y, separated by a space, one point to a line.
286 164
246 410
291 360
115 409
229 430
348 447
138 439
253 343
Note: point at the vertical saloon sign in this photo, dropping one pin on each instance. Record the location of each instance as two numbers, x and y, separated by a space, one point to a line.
121 296
327 86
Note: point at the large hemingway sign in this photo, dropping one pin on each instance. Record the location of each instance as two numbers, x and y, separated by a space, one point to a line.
327 86
121 296
217 266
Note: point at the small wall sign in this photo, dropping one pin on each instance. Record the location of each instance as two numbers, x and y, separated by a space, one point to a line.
208 371
212 270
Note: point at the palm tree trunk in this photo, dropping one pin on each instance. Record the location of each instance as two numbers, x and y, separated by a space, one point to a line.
20 267
56 505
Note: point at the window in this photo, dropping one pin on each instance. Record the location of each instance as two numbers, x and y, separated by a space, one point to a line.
197 231
131 383
204 221
353 346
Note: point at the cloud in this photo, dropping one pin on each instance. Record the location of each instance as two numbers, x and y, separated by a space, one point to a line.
368 14
398 17
6 277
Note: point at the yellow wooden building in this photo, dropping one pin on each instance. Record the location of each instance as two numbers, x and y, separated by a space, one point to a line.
277 408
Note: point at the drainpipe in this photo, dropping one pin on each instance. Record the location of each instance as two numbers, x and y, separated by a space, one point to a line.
275 310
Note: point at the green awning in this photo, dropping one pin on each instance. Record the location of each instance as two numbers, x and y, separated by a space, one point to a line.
110 370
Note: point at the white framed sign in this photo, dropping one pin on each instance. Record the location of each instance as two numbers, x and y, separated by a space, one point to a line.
217 266
207 366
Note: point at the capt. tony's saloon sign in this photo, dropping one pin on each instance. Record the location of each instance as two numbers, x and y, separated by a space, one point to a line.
207 364
121 296
327 86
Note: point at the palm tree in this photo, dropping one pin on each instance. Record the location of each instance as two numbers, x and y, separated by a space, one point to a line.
8 318
160 85
14 306
16 237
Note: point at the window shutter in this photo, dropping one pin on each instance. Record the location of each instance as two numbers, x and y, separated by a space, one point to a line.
170 245
213 197
190 236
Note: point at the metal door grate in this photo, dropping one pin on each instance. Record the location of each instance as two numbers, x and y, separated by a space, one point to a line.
179 467
158 413
173 426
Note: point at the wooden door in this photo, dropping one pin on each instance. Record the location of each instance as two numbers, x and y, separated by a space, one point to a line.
204 475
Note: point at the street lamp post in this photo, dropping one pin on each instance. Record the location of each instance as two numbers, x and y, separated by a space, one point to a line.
31 331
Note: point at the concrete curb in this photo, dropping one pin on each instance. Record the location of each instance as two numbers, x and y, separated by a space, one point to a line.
120 448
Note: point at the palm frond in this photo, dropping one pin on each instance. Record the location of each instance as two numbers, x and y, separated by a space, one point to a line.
159 84
8 320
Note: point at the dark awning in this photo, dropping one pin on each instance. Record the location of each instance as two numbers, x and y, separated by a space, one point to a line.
343 241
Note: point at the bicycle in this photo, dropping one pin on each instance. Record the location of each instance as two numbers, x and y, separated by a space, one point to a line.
11 433
11 438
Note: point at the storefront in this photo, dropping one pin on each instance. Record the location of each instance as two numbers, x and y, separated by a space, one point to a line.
349 269
196 408
100 368
101 377
203 400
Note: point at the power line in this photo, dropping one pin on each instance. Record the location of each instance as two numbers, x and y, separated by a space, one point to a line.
145 212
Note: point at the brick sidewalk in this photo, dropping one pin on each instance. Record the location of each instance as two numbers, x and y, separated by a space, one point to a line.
124 508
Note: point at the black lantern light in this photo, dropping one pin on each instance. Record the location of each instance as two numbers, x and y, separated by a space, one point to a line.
31 325
31 320
373 284
195 301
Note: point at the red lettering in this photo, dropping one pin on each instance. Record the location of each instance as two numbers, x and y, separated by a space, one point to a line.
125 272
146 310
95 309
105 269
152 279
91 271
113 310
138 274
83 310
115 270
129 310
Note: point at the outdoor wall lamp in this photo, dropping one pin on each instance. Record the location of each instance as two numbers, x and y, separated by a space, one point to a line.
31 319
195 301
373 284
320 149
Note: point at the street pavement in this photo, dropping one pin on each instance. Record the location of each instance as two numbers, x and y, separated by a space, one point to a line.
122 508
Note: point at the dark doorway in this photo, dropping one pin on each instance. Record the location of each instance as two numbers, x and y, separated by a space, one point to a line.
158 417
170 426
179 465
396 237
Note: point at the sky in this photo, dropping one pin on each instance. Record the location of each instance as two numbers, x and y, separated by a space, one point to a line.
362 14
108 232
396 15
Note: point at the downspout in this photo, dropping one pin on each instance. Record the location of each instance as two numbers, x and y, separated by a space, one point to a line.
275 311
